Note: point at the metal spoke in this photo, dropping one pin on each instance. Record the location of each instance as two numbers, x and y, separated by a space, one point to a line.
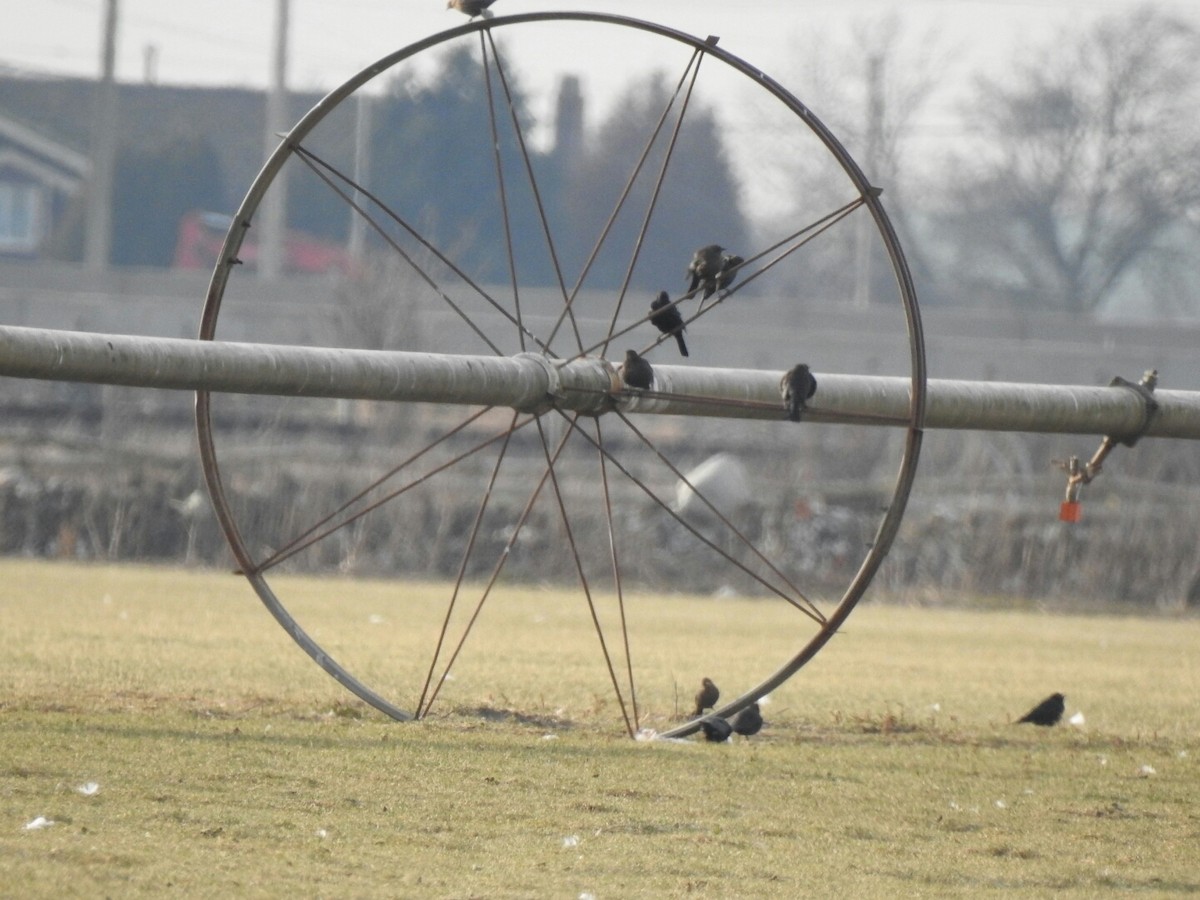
637 169
583 581
500 182
278 555
495 575
816 613
313 161
616 569
533 184
649 492
801 237
466 558
662 174
318 536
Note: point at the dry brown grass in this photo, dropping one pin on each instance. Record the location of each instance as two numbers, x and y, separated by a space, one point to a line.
227 763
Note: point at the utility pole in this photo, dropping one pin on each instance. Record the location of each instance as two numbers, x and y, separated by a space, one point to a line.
97 249
272 216
864 256
362 171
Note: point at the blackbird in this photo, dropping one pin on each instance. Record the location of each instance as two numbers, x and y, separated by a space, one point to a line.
1047 713
796 387
729 270
637 373
716 729
669 321
472 8
705 269
707 696
749 721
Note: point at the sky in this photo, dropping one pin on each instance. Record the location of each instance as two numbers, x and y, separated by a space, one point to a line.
229 41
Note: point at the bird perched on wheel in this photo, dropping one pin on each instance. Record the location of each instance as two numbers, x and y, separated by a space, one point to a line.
796 387
749 721
636 372
472 8
1046 713
707 696
705 269
715 729
669 320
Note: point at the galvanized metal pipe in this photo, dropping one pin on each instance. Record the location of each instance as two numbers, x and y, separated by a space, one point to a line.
531 382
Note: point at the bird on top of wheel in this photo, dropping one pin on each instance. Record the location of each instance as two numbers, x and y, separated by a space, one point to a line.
472 8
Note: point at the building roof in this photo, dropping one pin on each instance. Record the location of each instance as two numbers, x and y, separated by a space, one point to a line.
59 112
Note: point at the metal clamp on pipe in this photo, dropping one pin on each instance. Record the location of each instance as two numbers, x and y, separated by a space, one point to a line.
1080 474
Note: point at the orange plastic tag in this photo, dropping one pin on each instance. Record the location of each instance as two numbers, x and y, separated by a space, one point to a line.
1069 511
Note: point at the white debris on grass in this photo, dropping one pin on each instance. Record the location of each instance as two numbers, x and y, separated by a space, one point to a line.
38 823
1146 771
1000 804
549 737
1077 720
571 840
88 789
650 736
376 619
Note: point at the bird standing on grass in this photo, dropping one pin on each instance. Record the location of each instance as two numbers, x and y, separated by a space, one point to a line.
669 321
796 387
636 372
705 269
707 696
472 8
716 729
1047 713
749 721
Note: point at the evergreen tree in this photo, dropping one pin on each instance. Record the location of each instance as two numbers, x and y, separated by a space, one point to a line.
434 165
697 204
154 188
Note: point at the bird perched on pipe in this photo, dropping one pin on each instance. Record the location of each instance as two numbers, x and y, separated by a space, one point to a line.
636 372
749 721
1046 713
707 696
715 729
796 387
472 8
669 321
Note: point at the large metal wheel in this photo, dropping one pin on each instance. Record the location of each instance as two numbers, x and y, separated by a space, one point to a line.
584 494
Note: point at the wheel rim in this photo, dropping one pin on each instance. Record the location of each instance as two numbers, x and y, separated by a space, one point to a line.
545 338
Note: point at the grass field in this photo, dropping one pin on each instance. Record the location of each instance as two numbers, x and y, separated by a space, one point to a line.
225 763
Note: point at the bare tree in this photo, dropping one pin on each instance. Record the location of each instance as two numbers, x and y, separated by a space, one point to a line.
1082 163
872 90
378 306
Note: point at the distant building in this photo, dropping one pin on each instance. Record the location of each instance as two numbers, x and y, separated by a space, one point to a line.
39 178
212 135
